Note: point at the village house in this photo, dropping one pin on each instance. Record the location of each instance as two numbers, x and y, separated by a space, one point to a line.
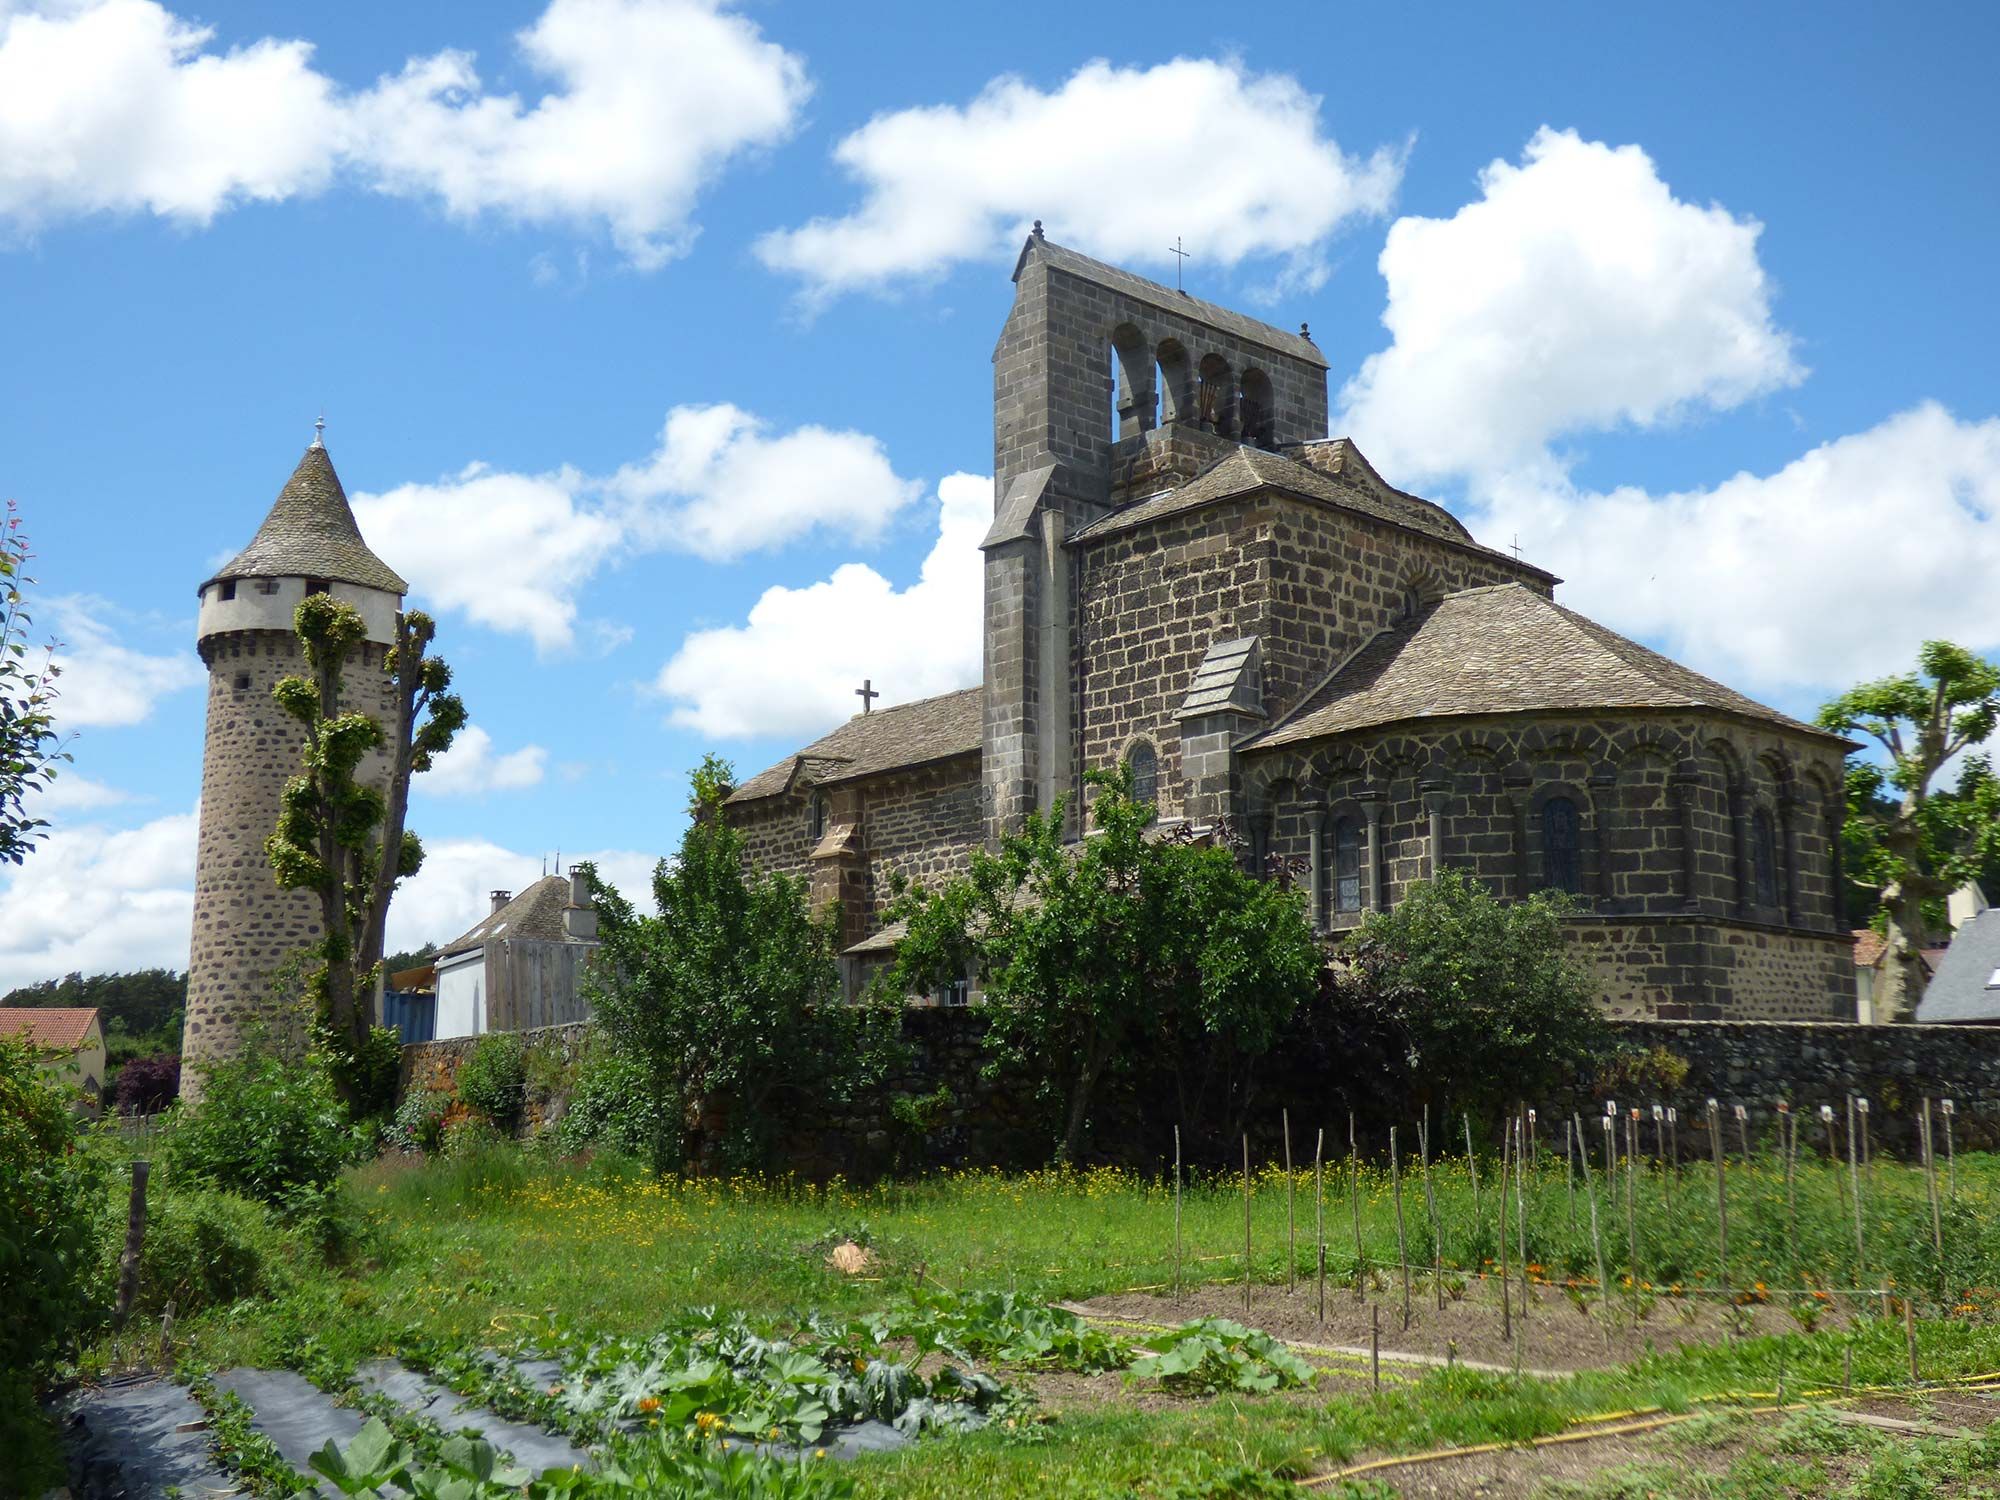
68 1043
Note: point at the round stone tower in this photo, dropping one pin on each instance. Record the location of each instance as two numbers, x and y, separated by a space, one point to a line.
245 928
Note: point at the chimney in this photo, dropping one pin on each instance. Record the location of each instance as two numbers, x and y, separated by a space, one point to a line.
579 917
1965 903
500 899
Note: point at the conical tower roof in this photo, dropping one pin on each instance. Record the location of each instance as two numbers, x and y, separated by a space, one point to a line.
310 533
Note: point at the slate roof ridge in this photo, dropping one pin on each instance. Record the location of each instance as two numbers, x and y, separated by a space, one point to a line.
950 727
310 532
1167 299
536 913
1959 989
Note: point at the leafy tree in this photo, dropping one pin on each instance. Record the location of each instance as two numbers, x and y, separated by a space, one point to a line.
1914 844
30 748
729 997
269 1126
334 826
1123 947
1454 995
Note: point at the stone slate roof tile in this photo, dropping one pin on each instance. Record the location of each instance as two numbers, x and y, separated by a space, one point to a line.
910 734
1226 678
1966 984
50 1028
1356 487
536 913
1497 650
1139 289
310 533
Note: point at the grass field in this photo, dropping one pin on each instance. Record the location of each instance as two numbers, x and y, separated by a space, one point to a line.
503 1250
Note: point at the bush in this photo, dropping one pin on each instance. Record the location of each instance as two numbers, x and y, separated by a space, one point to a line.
204 1248
611 1106
147 1085
265 1127
493 1080
419 1121
49 1193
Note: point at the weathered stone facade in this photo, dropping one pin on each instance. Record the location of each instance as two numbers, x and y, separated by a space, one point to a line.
1185 571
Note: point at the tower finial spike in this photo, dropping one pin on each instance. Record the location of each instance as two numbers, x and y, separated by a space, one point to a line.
319 429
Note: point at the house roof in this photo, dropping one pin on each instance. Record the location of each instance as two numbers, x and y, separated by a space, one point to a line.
1497 650
1869 946
1139 289
910 734
311 533
536 913
51 1028
1346 482
1966 983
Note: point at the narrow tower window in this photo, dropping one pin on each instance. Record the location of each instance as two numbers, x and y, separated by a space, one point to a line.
1346 865
226 589
1145 764
1764 857
816 817
1561 867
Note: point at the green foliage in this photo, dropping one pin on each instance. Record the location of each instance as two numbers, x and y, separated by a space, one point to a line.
343 838
1468 999
1647 1072
1124 947
49 1192
1001 1327
266 1127
140 1012
1214 1354
419 1120
30 747
493 1080
612 1106
729 997
204 1248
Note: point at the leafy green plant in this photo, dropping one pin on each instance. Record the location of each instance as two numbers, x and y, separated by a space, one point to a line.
1214 1354
418 1124
265 1126
203 1248
1001 1327
493 1080
611 1105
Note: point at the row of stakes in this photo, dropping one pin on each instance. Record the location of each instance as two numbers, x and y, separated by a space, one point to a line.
1521 1139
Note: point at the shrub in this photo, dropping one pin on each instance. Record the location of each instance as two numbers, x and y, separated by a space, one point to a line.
611 1106
265 1127
204 1248
492 1081
419 1120
49 1193
147 1085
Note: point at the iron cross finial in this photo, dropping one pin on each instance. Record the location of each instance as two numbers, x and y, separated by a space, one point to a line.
867 694
1182 255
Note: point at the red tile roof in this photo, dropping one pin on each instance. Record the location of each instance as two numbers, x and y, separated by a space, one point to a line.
56 1028
1868 946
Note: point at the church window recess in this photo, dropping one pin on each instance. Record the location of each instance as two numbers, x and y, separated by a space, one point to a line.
1145 763
816 817
1562 866
1346 865
1764 857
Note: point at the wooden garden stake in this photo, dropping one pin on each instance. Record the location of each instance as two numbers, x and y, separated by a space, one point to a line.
1743 1131
1402 1247
1472 1171
135 1242
1950 1155
1291 1215
1854 1183
1721 1194
1847 1366
1931 1186
1521 1228
1659 1134
1354 1200
1375 1348
1246 1224
1319 1218
1788 1141
1596 1239
1506 1281
1867 1160
1611 1145
1534 1139
1910 1338
1431 1207
1569 1171
1177 1213
1674 1141
1632 1208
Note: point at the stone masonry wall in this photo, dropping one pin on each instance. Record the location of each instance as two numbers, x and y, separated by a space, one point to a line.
987 1122
921 827
244 927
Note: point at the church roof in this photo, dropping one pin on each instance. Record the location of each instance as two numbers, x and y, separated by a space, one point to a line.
910 734
536 913
310 533
1499 650
1117 279
1352 485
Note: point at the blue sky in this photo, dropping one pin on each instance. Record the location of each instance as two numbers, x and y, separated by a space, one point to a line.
626 312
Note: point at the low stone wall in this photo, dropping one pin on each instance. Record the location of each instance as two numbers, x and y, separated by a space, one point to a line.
978 1122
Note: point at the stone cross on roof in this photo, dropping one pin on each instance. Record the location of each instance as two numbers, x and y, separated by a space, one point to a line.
867 694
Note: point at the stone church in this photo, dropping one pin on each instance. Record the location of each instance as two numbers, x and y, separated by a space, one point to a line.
1186 572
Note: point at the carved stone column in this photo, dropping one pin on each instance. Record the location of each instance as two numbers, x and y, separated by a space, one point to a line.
1437 797
1788 853
1371 851
1684 789
1739 830
1316 872
1517 801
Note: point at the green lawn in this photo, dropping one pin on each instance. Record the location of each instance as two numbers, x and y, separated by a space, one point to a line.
502 1249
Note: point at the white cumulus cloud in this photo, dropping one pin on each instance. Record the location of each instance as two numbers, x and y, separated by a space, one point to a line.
1116 161
96 900
123 106
1799 582
471 767
1577 293
791 668
103 682
513 551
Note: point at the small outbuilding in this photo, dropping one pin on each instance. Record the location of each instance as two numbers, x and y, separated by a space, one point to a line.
523 965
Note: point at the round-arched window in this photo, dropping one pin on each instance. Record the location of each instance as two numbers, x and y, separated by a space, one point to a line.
1346 865
816 817
1764 857
1562 866
1145 763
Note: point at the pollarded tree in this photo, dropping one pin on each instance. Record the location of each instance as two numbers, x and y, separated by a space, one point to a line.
335 826
1110 951
30 748
1916 843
